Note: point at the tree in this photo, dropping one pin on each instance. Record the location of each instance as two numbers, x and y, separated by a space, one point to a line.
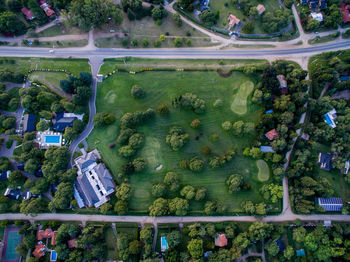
16 178
196 164
158 190
195 248
145 42
248 207
34 205
105 208
272 192
121 207
163 109
103 119
206 150
178 42
171 179
312 25
333 16
236 252
88 13
123 192
289 252
146 234
13 5
138 92
188 192
208 17
10 24
158 13
299 234
126 151
139 164
195 123
178 206
201 194
235 182
272 248
177 19
186 4
135 247
63 196
159 207
226 125
237 127
176 138
174 238
42 125
248 27
260 209
259 230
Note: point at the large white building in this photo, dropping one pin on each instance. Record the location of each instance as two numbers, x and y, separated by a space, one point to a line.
94 183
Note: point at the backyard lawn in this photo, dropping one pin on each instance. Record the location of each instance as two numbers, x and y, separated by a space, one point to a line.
52 78
114 97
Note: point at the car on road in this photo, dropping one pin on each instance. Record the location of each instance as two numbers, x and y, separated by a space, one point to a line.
52 51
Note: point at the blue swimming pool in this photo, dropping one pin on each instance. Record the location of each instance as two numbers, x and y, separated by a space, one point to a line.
53 255
52 139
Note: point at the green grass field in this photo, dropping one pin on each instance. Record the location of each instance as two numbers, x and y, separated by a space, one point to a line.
23 65
264 170
114 97
239 104
52 78
111 241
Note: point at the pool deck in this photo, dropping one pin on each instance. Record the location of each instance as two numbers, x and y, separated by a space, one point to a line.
6 234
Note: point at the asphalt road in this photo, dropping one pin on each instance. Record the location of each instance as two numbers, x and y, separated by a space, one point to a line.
172 53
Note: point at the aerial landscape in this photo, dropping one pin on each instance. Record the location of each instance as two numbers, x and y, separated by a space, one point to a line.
183 130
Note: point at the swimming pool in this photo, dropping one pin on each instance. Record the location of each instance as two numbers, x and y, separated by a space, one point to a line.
12 242
53 256
52 139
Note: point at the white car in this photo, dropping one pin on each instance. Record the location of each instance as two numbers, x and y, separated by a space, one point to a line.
52 51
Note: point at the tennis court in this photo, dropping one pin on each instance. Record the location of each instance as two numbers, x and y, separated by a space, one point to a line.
11 241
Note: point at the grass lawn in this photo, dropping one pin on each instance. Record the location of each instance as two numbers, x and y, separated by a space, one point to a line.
323 39
114 97
147 28
264 170
62 44
239 104
58 30
135 64
23 65
52 78
340 187
219 5
112 253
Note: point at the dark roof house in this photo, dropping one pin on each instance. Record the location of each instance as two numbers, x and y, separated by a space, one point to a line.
12 194
94 183
330 204
5 175
60 123
325 160
29 122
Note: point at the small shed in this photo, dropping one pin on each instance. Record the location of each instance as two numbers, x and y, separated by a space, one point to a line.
221 240
272 134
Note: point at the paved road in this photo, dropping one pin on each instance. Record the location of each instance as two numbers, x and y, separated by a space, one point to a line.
95 63
172 53
171 220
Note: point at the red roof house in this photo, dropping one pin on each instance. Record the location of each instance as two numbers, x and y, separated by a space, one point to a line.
272 134
47 233
345 9
39 250
221 240
28 13
47 8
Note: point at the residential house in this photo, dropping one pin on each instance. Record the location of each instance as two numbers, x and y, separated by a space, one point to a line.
94 183
261 9
204 5
29 121
314 4
325 160
221 240
345 10
63 120
233 20
280 245
303 2
332 204
39 250
28 13
12 194
272 134
317 16
283 84
46 8
344 78
5 175
330 117
47 234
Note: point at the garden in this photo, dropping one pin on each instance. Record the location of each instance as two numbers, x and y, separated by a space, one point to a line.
200 144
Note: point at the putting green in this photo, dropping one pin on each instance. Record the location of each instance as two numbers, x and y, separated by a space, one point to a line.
110 97
239 104
151 151
264 171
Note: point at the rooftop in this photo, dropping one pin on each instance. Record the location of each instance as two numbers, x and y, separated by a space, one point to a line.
330 117
261 9
29 121
221 240
272 134
325 161
330 204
